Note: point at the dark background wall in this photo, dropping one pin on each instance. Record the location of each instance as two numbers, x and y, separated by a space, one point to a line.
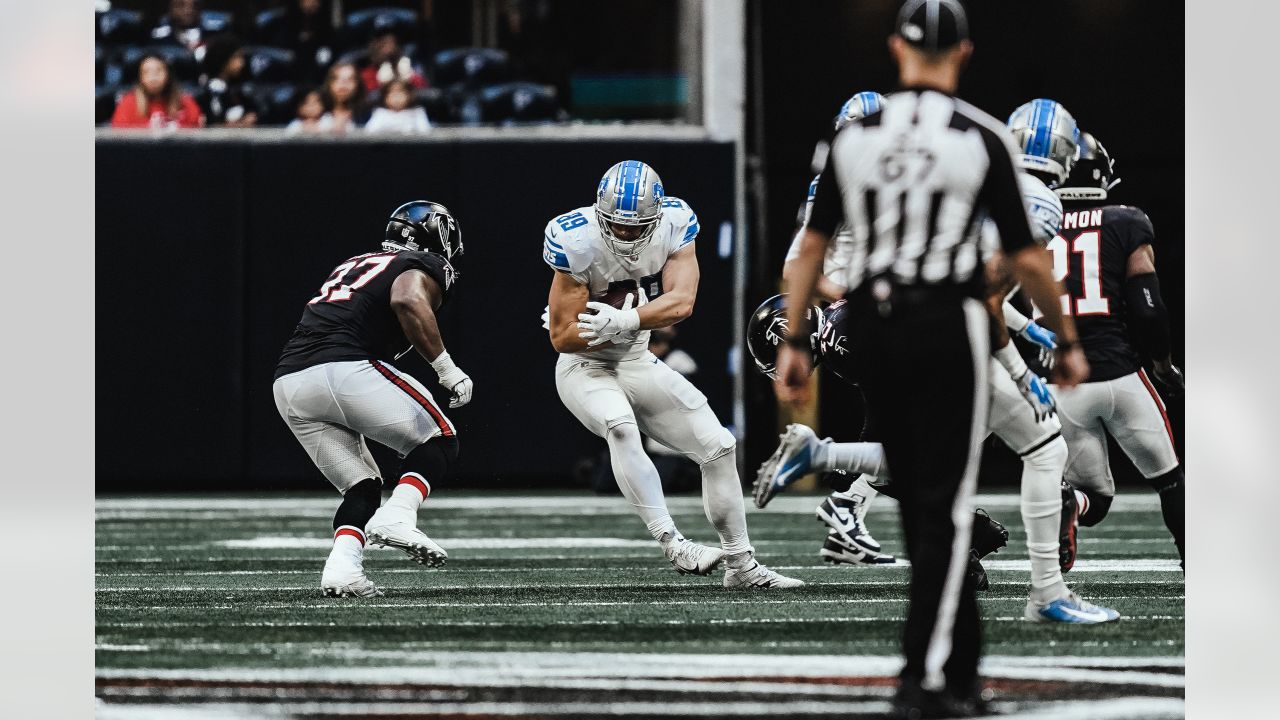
1117 65
207 252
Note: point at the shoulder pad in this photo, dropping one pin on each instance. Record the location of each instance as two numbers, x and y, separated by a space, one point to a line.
1044 207
1128 214
566 242
683 221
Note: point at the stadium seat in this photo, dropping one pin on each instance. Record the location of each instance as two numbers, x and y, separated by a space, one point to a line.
265 64
118 26
267 23
212 22
361 25
182 62
433 100
277 102
470 67
518 102
99 64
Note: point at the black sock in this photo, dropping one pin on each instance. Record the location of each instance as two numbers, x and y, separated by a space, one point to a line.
1172 492
1099 506
359 504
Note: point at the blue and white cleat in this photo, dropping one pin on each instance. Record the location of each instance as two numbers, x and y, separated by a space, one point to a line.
790 462
1070 609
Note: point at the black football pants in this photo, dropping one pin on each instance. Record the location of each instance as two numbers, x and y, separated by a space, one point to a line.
924 370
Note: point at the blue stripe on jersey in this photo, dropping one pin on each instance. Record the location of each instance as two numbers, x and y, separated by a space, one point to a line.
557 260
690 234
552 243
629 186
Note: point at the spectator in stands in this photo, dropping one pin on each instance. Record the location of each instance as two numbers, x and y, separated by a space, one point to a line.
398 114
311 119
156 101
388 62
343 100
181 24
223 99
307 30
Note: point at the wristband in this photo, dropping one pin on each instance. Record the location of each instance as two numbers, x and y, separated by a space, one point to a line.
1011 360
443 364
1067 344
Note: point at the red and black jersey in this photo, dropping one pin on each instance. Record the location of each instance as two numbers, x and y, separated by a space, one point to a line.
1091 257
350 318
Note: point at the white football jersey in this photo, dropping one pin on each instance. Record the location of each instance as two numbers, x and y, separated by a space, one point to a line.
1044 210
573 244
839 251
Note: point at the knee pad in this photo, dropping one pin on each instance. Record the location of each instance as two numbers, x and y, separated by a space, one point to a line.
1051 456
1099 506
359 503
724 443
431 460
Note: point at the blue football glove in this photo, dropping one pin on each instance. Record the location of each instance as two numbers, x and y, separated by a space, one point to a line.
1036 392
1043 337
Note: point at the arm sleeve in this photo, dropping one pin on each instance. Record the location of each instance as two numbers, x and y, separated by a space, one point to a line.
1148 318
826 211
1002 197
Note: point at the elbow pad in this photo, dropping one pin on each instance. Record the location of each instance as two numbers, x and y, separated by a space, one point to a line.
1147 315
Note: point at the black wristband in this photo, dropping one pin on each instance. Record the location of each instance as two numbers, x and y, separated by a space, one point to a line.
1067 345
800 342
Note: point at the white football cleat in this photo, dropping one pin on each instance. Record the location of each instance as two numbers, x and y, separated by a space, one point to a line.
409 540
1070 609
351 586
836 551
690 558
755 575
789 463
842 515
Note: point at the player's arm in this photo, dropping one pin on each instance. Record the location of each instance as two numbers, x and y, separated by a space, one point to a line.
414 299
1147 315
1031 385
680 276
826 289
568 299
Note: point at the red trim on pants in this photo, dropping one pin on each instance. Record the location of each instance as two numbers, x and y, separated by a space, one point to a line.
412 392
1142 373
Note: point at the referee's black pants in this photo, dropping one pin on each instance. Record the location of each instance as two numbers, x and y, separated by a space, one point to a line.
924 370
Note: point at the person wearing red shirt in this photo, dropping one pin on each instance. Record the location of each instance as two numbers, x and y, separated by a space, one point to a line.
388 62
156 101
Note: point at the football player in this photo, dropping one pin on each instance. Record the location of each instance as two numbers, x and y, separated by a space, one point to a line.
635 248
1104 256
335 386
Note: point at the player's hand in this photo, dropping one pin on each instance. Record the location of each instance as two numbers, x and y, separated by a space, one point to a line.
1170 376
607 321
1042 337
1070 368
792 369
1036 391
629 337
452 379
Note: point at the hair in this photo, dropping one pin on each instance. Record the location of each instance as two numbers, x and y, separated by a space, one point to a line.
326 96
169 94
396 82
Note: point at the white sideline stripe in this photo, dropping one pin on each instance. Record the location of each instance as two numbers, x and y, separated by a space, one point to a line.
657 568
293 543
554 623
370 603
1109 709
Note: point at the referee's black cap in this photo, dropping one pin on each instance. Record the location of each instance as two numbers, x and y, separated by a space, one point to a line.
932 25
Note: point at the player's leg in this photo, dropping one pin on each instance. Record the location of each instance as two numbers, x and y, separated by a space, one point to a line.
341 455
392 408
1089 487
844 513
592 393
675 413
1141 428
800 452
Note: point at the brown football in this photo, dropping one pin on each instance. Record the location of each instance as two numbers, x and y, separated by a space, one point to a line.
617 295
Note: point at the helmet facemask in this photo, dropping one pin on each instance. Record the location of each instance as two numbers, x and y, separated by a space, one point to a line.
627 249
630 194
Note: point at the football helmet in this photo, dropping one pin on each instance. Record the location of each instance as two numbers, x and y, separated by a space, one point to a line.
1093 173
629 194
1047 138
422 225
767 329
858 107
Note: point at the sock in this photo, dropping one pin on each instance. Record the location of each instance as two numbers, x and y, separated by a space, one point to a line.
359 503
638 479
410 493
860 457
722 501
1082 501
1095 506
347 554
1173 499
861 487
1041 504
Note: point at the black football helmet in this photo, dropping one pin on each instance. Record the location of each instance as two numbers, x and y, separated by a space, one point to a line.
768 328
423 226
1092 175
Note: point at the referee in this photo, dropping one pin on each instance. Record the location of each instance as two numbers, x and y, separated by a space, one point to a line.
914 183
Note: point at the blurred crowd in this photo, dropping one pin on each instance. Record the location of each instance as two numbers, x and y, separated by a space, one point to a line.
377 70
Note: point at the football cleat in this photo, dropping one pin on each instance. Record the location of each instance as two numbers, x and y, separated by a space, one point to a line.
346 581
690 558
987 536
1070 609
977 572
841 514
789 463
409 540
755 575
836 551
1067 530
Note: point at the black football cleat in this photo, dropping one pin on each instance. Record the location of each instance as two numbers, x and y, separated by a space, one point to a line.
977 572
1067 530
988 536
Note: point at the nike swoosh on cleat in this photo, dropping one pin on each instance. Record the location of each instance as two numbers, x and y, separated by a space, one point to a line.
1084 615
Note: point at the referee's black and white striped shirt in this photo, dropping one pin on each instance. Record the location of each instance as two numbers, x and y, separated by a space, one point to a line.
913 183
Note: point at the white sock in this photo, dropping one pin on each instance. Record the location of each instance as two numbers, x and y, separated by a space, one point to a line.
638 479
348 550
1082 501
856 457
722 501
1041 516
861 488
406 498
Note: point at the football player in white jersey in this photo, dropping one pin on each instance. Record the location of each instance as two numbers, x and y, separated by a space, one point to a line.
635 249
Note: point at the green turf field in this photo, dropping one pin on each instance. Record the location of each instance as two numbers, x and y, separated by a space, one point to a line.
559 605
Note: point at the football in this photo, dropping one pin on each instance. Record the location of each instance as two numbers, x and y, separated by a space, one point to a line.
617 294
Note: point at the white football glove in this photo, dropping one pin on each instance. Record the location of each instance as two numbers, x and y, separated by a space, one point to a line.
608 322
1044 339
452 379
1032 386
630 336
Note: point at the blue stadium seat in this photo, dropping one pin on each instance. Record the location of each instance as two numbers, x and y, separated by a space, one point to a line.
277 102
361 25
118 26
517 102
182 63
212 22
267 23
470 67
264 63
433 100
